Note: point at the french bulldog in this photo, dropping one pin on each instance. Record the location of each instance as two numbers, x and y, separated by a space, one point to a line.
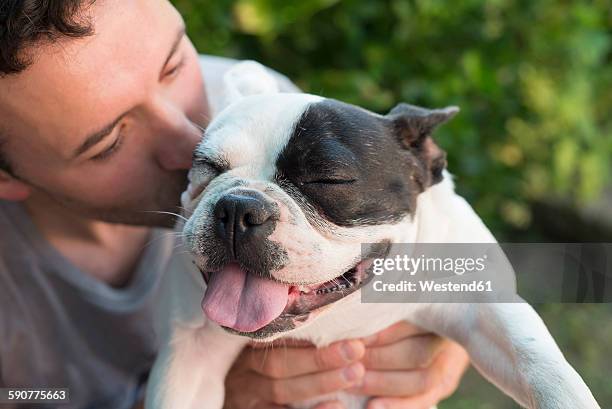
284 190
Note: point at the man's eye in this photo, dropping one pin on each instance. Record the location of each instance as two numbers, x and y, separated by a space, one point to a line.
175 70
107 153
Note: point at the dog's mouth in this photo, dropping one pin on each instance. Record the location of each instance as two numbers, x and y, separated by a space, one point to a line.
258 307
304 299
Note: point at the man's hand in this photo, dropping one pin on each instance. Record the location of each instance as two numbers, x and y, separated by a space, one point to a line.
408 368
402 367
286 371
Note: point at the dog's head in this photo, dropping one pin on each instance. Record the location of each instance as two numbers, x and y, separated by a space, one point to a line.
284 190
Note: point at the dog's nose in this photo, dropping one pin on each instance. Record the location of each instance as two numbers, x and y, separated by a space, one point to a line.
244 217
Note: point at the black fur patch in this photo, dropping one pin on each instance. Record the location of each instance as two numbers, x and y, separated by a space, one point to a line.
352 166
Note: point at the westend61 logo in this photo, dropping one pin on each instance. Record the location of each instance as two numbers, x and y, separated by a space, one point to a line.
488 272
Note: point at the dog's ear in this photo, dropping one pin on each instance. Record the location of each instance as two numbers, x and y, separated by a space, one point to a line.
248 78
413 125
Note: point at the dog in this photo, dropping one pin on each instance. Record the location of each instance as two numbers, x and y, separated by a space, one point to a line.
284 189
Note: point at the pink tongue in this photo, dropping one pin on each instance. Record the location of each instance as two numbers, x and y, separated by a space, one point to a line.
242 301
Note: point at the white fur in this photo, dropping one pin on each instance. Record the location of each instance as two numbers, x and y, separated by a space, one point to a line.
507 343
248 78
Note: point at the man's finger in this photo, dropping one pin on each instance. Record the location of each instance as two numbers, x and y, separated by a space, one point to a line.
330 405
397 383
284 391
426 401
416 352
423 385
393 334
290 362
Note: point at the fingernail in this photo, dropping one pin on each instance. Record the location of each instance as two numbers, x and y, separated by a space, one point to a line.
349 351
353 373
377 405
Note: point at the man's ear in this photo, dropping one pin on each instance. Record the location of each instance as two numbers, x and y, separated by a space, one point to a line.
248 78
413 125
11 188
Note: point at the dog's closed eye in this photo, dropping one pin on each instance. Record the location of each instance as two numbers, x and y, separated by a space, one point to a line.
330 180
218 165
203 171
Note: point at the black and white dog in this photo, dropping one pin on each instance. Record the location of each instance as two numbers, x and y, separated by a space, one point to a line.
284 190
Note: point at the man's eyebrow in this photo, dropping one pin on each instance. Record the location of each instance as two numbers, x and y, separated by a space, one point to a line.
175 45
97 136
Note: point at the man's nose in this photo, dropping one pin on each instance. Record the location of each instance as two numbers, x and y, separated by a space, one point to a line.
244 219
177 135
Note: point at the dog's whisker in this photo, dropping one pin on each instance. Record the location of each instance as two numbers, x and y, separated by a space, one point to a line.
168 213
163 236
177 246
175 234
265 355
188 212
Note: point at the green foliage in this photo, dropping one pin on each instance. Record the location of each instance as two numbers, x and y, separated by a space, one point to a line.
532 79
583 333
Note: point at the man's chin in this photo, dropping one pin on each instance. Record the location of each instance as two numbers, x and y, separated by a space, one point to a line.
156 214
161 207
164 215
150 218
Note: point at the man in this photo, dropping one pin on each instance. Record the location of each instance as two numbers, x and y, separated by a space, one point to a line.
101 105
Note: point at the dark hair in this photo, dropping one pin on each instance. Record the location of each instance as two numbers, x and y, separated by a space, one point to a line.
26 22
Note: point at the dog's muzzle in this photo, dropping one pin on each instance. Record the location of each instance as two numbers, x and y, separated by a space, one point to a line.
258 307
243 219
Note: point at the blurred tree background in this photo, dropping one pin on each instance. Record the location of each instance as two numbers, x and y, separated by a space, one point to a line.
532 146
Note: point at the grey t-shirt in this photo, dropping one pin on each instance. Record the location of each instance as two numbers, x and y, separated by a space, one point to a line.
60 327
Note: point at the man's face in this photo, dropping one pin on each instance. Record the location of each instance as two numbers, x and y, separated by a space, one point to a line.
106 125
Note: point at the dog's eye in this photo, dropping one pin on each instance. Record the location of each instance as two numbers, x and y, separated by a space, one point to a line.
203 171
198 181
204 163
329 181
